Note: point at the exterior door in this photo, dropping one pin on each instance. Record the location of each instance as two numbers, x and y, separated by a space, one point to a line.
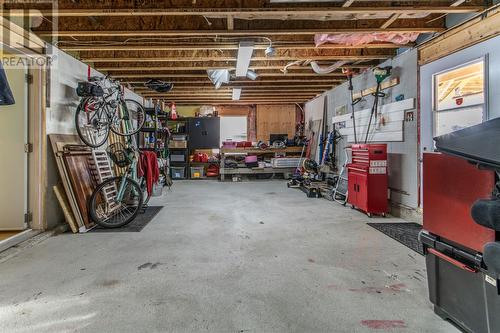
14 159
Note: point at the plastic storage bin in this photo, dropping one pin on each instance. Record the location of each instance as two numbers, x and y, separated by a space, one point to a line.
178 172
178 157
177 144
197 172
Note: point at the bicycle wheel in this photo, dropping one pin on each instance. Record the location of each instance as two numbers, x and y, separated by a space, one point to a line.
91 122
107 210
129 118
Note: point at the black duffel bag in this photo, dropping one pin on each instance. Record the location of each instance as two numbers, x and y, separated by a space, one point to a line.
88 89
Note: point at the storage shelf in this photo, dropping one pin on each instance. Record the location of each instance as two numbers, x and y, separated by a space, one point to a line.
204 163
152 129
151 149
254 171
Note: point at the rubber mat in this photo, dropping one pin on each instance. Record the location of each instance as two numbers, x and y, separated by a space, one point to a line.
405 233
136 225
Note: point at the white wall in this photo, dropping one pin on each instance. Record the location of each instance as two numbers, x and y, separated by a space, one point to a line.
233 128
489 48
403 164
65 74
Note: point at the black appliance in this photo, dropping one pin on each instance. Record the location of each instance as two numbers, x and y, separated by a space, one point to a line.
204 133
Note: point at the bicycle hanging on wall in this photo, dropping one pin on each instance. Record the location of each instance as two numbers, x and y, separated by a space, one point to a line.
104 108
117 200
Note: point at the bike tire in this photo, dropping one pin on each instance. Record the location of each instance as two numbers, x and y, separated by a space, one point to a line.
113 221
141 116
79 125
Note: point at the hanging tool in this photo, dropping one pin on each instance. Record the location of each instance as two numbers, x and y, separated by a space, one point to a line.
350 74
323 141
381 73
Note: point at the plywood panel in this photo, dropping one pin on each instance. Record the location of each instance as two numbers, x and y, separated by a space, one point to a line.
275 119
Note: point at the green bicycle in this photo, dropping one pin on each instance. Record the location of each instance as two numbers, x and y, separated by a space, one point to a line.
117 201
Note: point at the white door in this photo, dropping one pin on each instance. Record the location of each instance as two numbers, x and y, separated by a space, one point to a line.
13 158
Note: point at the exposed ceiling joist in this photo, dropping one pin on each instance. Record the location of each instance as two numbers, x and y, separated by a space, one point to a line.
204 75
457 3
390 21
319 13
233 59
229 102
204 68
259 81
198 33
227 89
223 47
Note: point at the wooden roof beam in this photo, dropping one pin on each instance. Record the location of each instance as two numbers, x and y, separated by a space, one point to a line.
317 13
211 87
118 59
204 75
287 80
198 33
204 68
299 46
390 21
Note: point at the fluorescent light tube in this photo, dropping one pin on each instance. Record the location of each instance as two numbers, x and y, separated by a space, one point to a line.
236 94
245 51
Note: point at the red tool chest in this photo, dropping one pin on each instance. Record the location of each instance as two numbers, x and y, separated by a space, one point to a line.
367 178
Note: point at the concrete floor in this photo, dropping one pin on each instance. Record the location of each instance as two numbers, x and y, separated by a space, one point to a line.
223 257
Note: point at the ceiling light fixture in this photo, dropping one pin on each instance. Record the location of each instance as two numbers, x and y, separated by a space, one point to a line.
270 51
236 94
251 75
245 51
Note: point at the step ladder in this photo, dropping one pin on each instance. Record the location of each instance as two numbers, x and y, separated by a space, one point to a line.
102 172
340 192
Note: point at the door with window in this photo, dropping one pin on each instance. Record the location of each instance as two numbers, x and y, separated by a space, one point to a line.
13 140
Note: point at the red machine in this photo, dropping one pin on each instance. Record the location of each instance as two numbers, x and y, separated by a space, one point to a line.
460 287
367 178
451 185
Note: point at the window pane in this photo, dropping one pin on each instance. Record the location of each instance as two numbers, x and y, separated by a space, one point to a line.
460 87
454 120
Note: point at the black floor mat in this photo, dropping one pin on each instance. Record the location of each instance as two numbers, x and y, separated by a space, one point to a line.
405 233
136 225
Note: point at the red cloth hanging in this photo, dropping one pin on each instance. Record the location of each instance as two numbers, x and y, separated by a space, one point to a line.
148 167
